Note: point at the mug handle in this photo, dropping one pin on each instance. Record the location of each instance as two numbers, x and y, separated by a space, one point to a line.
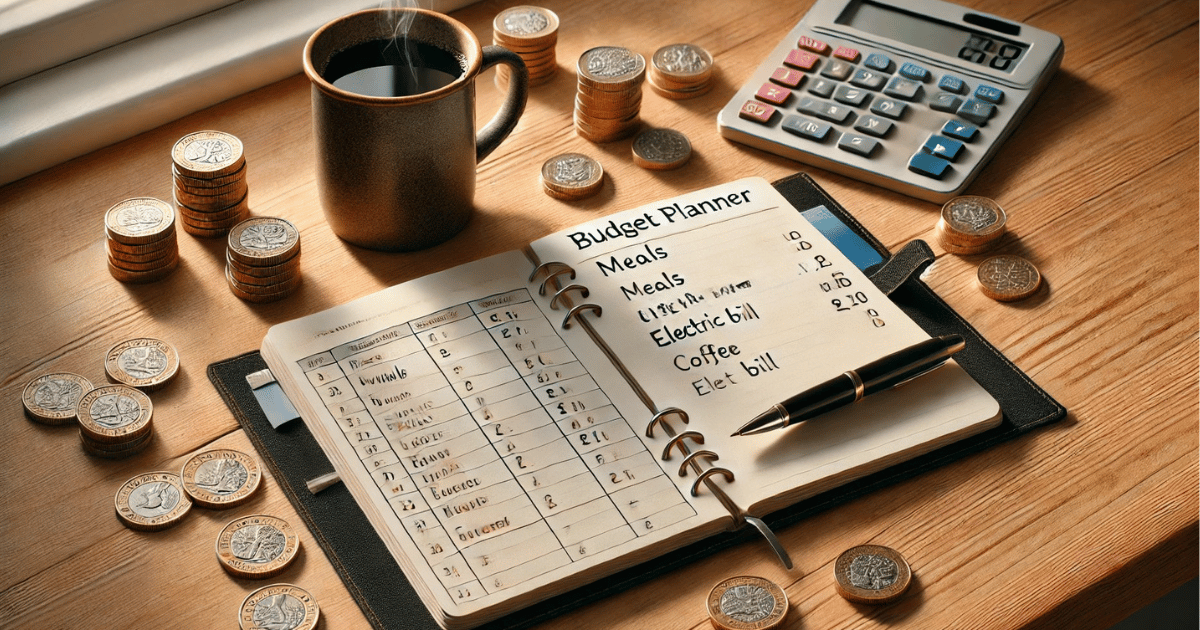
510 111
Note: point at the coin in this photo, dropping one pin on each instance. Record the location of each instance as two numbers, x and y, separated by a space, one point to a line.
970 225
115 451
264 241
572 174
1008 278
139 220
525 24
112 414
54 398
190 181
208 154
871 574
220 478
682 61
661 149
611 67
259 294
139 277
279 607
747 603
257 546
146 264
143 362
152 501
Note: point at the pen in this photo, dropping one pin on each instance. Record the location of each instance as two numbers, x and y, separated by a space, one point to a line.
852 385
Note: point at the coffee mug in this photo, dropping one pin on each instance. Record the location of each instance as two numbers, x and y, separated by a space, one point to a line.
393 107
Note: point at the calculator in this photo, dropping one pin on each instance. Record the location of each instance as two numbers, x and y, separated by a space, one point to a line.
911 95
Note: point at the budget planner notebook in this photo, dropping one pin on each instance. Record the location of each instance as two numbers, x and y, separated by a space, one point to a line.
519 426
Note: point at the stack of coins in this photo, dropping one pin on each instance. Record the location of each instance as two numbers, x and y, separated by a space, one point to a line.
532 33
970 225
681 71
53 398
661 149
114 421
141 242
144 363
609 96
572 176
262 261
210 182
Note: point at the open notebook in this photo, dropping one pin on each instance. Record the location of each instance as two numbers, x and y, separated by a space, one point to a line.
515 427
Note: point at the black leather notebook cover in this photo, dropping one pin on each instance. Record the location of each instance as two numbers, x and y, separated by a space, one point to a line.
389 602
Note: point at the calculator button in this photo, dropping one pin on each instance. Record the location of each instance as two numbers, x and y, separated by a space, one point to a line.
801 60
888 107
851 95
787 77
825 110
989 94
877 61
757 112
847 53
942 146
868 79
814 45
959 130
822 87
838 69
861 145
806 128
902 88
976 111
873 125
772 94
928 165
945 102
914 72
952 84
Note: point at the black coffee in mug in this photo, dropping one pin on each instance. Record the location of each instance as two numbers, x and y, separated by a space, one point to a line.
392 67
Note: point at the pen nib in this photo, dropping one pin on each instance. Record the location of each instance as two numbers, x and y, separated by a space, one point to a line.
766 421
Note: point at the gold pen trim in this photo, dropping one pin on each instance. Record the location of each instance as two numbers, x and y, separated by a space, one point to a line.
860 389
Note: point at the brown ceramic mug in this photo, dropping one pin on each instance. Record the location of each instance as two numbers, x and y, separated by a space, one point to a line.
394 124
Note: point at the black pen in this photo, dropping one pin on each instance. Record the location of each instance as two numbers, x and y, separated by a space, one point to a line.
852 385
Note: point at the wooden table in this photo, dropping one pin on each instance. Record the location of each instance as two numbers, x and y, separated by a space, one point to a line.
1074 526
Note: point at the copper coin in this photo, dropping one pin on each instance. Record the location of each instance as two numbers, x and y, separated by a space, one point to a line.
1008 278
259 296
160 255
679 95
207 154
141 277
219 200
257 546
139 220
54 398
279 607
114 414
661 149
871 574
217 181
153 249
152 501
747 603
168 261
289 267
264 241
143 362
220 478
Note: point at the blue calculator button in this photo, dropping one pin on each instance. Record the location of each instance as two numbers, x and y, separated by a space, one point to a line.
951 83
976 111
902 88
861 145
825 110
851 95
942 146
959 130
879 62
838 69
888 107
869 79
806 128
989 93
928 165
914 72
822 87
945 102
873 125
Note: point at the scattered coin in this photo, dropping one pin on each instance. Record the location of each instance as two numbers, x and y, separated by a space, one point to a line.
54 398
1008 278
747 603
970 225
152 501
221 478
144 363
262 259
661 149
257 546
871 574
532 33
141 243
114 414
680 71
279 606
609 93
209 172
571 176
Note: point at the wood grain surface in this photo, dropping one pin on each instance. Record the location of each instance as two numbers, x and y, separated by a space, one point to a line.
1073 526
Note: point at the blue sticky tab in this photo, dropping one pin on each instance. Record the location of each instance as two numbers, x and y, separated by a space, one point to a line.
850 243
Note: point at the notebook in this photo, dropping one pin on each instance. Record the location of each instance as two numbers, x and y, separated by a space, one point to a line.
521 425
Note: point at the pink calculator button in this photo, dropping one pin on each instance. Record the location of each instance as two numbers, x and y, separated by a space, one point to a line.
772 94
814 45
800 59
787 77
758 112
847 53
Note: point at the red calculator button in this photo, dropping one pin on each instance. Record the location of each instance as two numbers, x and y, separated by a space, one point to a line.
814 45
787 77
847 53
772 94
758 112
801 60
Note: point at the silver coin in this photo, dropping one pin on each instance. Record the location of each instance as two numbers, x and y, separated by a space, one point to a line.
611 64
661 149
682 60
53 398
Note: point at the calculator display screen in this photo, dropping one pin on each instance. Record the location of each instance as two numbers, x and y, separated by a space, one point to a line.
980 48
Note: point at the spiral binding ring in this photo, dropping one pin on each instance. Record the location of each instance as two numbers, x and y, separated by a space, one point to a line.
583 292
724 472
575 310
694 436
706 454
658 418
553 270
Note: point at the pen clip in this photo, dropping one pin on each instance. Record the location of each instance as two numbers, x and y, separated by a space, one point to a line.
922 372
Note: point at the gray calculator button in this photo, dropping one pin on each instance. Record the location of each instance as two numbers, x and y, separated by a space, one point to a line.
838 69
873 125
861 145
822 87
825 110
869 79
888 107
976 111
878 62
806 128
945 102
902 88
851 95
